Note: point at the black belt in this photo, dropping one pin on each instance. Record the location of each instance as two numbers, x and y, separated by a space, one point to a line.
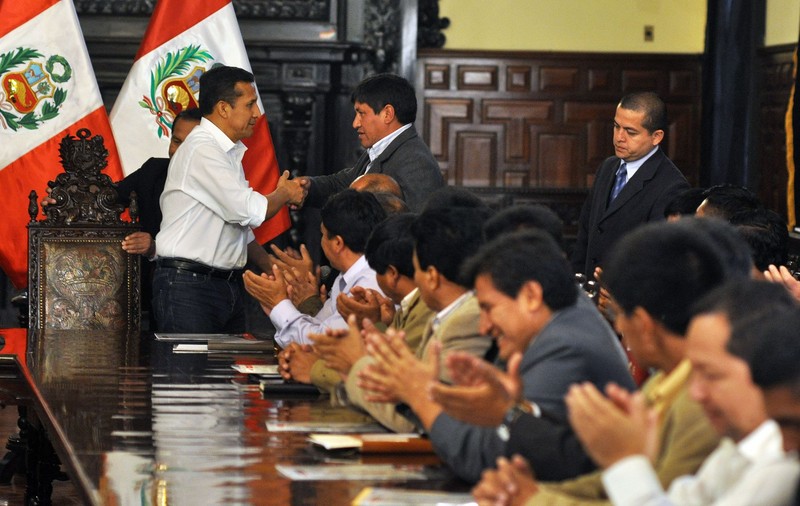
198 268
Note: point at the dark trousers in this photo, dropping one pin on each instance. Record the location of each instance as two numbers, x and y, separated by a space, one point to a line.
188 302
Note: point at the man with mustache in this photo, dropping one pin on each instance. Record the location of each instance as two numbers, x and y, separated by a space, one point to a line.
385 109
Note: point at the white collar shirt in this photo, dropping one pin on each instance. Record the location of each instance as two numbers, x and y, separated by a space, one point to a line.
405 304
444 313
632 167
379 147
292 326
754 471
207 205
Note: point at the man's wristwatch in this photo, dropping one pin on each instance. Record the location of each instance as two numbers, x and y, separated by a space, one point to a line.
517 410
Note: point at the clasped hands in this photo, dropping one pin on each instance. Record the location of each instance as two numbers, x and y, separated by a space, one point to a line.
610 427
296 189
366 303
293 277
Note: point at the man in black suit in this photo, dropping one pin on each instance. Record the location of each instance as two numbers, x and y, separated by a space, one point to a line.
385 109
632 187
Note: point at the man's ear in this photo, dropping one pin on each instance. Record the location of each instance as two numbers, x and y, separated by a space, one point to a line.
433 277
531 296
658 136
222 108
646 325
392 276
337 243
388 114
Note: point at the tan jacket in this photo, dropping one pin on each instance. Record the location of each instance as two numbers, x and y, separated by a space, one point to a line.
412 322
458 331
686 439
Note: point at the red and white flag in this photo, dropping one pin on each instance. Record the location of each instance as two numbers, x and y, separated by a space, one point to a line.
183 40
47 89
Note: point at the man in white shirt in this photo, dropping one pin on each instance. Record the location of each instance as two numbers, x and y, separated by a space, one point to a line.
209 210
772 350
750 465
347 220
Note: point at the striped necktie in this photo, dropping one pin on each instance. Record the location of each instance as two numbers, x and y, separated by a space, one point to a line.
622 178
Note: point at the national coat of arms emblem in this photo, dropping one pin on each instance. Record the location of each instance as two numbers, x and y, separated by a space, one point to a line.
175 85
29 91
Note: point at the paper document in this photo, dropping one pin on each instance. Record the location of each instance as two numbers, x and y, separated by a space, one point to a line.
370 472
327 427
375 496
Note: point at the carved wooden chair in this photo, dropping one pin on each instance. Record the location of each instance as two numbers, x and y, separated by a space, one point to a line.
79 277
80 281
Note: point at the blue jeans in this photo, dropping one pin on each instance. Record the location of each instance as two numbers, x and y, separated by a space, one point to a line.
187 302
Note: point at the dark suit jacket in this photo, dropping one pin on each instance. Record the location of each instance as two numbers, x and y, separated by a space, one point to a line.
576 345
642 199
148 183
407 159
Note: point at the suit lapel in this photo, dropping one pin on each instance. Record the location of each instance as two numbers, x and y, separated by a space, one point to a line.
377 165
361 163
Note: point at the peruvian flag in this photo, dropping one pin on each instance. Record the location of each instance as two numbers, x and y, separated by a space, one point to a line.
183 40
47 90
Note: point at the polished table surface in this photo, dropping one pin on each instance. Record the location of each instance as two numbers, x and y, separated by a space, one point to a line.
135 423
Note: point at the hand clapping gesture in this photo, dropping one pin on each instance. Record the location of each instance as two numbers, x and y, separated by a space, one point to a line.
267 290
478 383
366 303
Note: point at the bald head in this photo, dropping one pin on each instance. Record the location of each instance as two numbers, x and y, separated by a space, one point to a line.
377 183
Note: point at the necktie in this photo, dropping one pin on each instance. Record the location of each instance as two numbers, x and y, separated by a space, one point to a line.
622 178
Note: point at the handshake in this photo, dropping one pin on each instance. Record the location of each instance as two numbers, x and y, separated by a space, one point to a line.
295 190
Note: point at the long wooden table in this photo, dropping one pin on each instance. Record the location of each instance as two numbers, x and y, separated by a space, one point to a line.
134 423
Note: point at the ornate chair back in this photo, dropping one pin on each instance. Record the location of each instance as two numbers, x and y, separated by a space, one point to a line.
79 277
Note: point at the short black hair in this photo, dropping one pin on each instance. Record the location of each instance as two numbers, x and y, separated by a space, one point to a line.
735 253
525 216
764 318
663 268
352 215
219 83
192 114
446 237
744 299
515 258
654 109
453 196
766 234
380 90
726 200
391 243
685 202
770 346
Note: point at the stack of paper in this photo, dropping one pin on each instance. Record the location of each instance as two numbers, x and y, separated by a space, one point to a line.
374 443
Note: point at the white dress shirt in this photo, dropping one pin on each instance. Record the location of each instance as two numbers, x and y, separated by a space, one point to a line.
292 326
754 471
207 205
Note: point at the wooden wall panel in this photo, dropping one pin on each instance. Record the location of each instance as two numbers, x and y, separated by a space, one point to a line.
525 126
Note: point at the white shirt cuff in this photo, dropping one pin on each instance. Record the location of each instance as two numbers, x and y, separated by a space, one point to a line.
281 316
257 207
632 481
